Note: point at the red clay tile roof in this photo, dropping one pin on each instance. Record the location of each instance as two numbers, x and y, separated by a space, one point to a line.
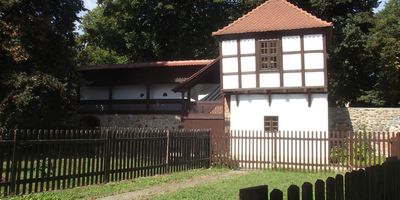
176 63
273 15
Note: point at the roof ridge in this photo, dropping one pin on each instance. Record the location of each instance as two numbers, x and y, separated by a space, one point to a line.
242 17
286 3
305 12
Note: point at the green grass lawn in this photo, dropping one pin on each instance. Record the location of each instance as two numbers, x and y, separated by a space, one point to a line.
229 189
91 192
224 189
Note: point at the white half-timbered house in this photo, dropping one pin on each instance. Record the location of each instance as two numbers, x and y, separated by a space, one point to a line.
274 69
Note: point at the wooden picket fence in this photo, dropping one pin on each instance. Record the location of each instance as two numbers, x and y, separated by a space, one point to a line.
304 150
380 182
42 160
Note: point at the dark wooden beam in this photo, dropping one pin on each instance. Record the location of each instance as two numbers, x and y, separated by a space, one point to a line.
309 98
269 98
147 97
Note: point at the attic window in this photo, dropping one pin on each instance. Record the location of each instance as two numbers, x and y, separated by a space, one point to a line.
269 59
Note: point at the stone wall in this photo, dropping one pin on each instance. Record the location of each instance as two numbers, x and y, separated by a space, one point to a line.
140 121
369 119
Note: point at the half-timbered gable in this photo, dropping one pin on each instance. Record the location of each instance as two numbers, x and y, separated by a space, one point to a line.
273 66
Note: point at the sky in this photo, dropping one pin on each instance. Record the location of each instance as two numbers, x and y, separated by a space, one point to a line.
90 4
380 7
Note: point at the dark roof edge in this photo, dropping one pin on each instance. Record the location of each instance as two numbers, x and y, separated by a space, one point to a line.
192 79
176 63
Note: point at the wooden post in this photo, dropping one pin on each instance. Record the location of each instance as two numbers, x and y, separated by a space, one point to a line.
14 163
183 104
167 154
254 193
319 190
147 97
276 195
330 189
106 156
306 191
293 192
339 187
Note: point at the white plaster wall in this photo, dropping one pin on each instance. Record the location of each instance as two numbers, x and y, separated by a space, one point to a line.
314 79
292 110
248 63
282 151
129 92
269 80
292 79
291 61
290 43
313 60
313 42
249 81
199 91
230 81
93 93
229 65
157 91
247 46
229 47
294 115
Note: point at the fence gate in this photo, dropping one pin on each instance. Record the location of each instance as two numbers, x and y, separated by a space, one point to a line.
217 132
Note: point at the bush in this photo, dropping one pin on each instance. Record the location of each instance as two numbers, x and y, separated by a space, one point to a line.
360 150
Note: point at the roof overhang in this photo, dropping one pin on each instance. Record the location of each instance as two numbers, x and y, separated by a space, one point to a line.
193 80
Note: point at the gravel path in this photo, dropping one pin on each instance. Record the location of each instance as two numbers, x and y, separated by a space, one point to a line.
166 188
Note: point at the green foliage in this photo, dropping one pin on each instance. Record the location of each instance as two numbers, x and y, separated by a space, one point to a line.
37 69
356 152
384 45
135 31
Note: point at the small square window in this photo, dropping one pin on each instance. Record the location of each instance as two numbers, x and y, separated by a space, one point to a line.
271 123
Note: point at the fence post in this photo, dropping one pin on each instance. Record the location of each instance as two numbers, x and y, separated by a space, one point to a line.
306 191
330 189
276 195
167 154
350 161
14 164
339 187
319 190
254 193
210 149
293 192
106 156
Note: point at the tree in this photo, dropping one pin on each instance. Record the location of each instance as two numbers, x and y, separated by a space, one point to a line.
135 31
384 45
37 73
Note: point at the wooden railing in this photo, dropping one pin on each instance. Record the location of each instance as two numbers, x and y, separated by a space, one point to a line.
205 109
134 106
43 160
